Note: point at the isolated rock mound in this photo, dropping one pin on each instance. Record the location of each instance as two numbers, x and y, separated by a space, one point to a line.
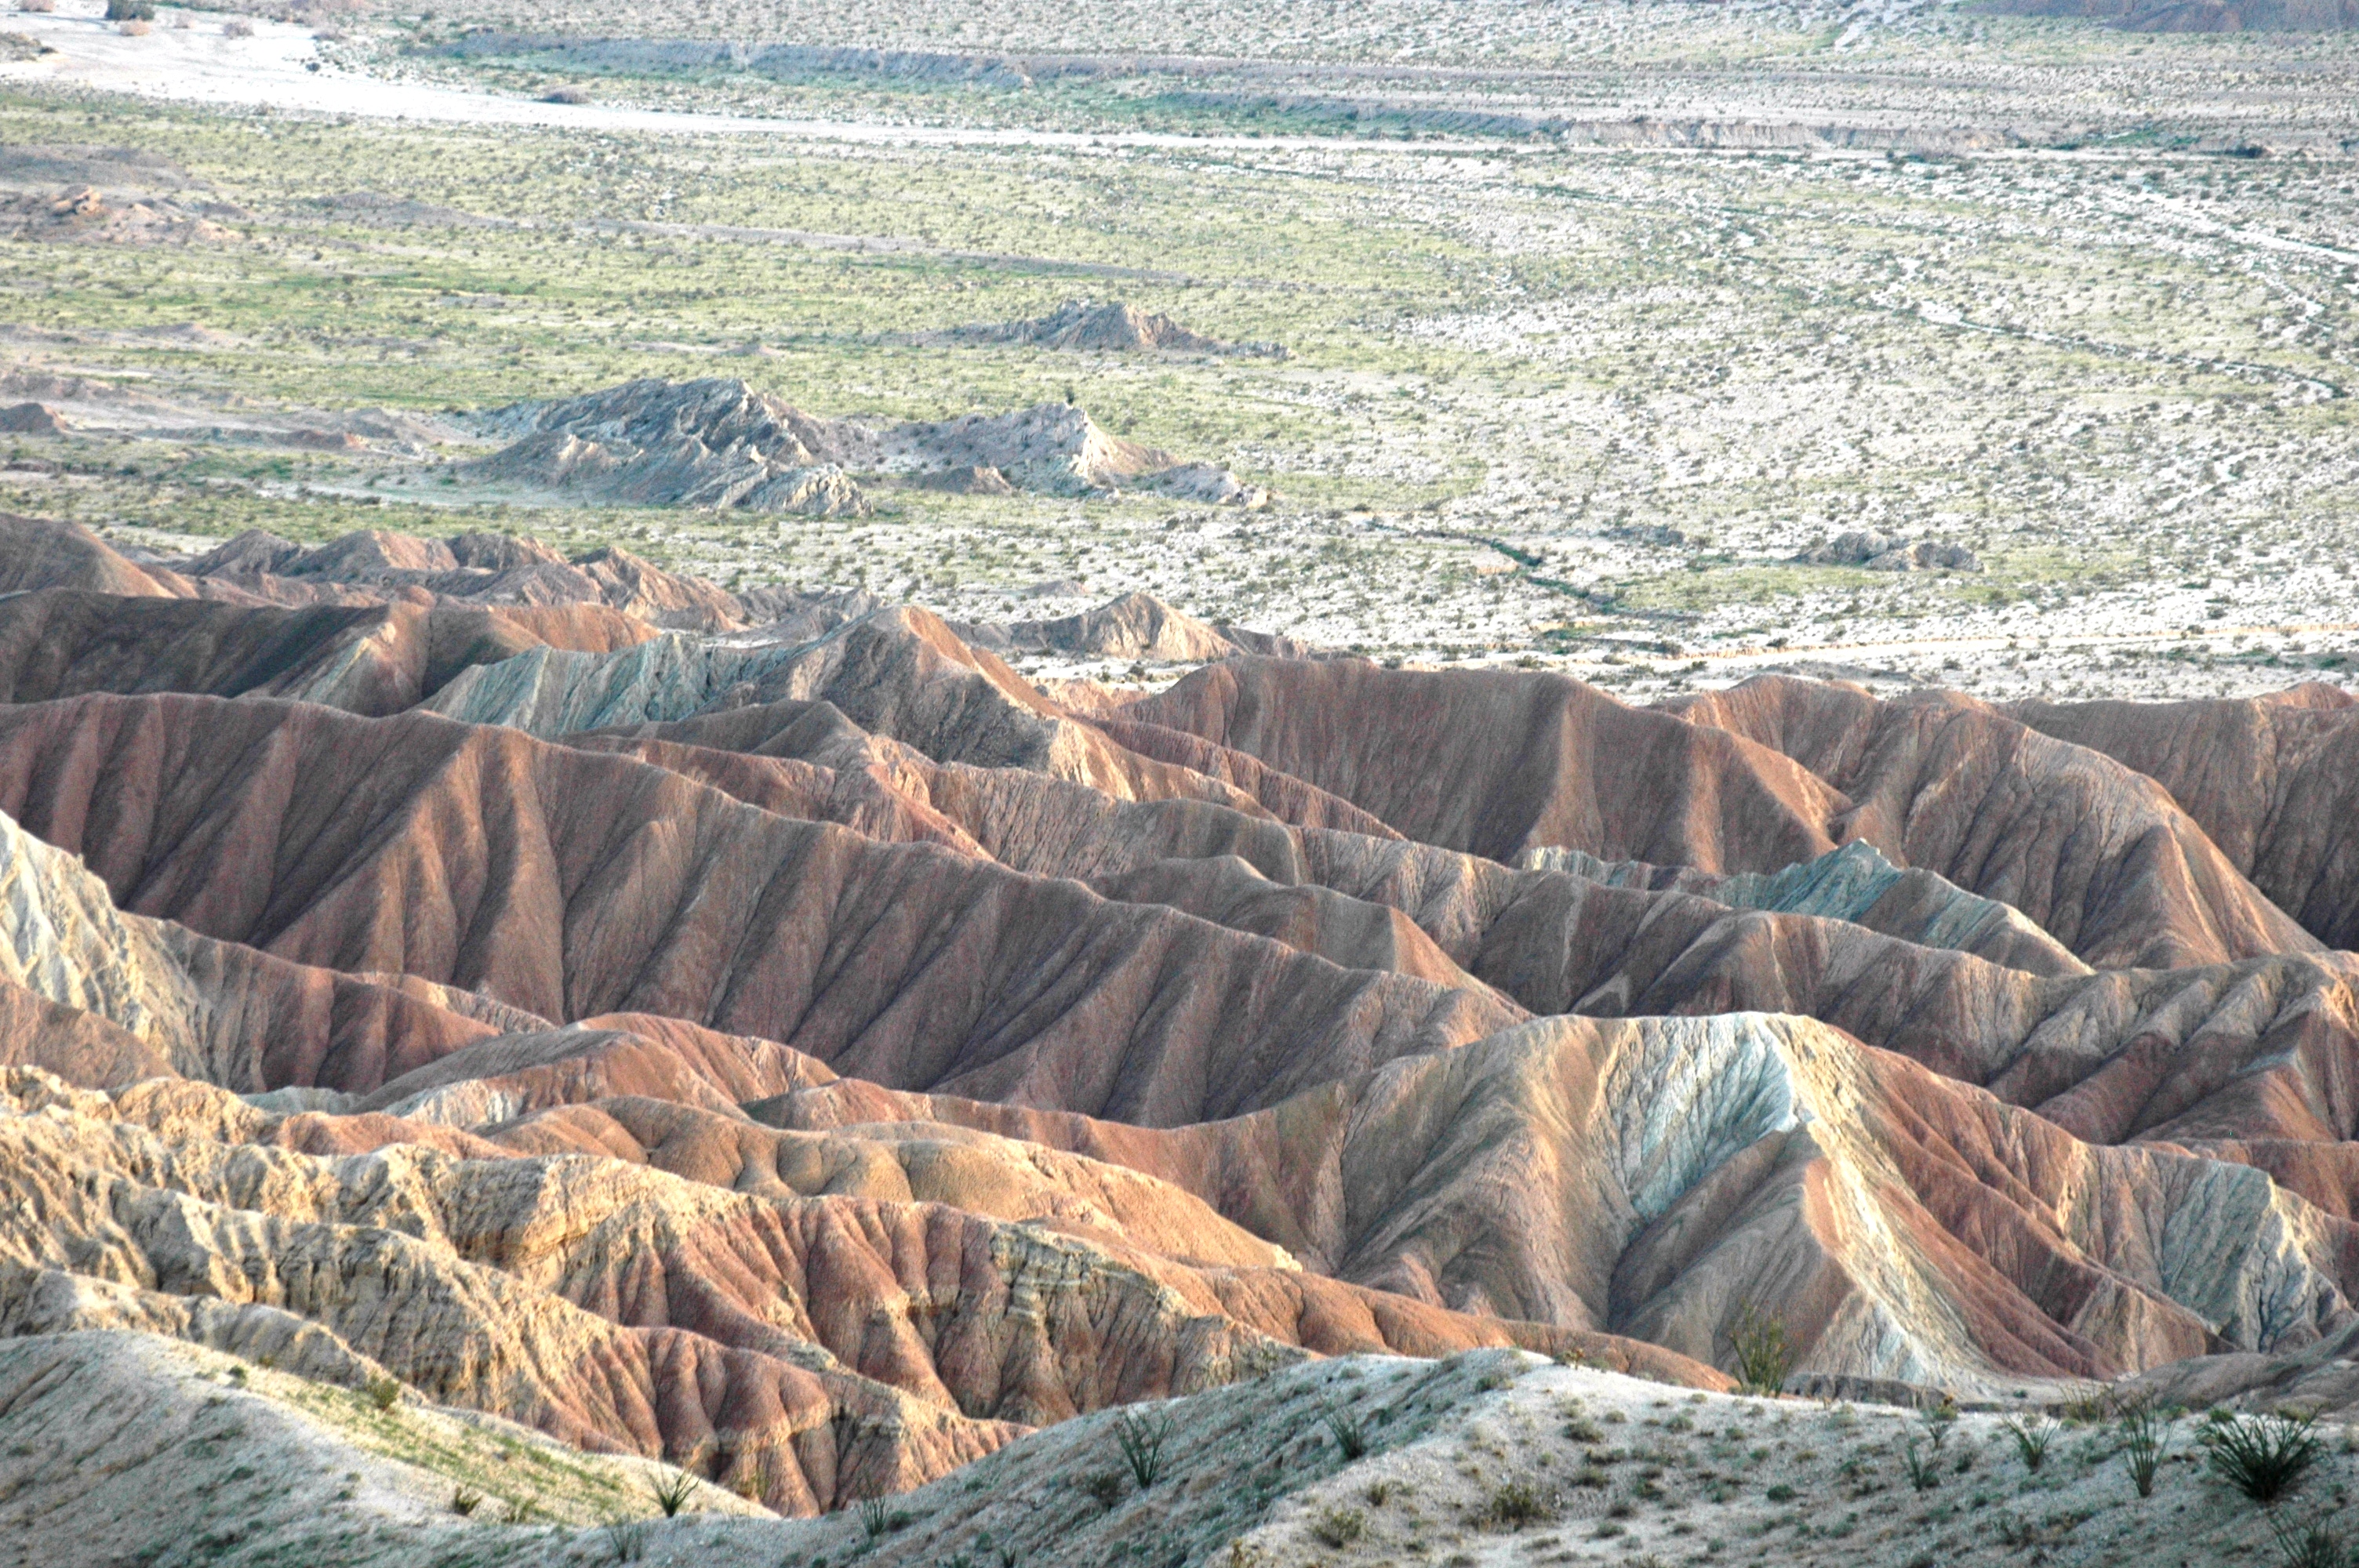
1056 448
1108 325
715 442
721 443
1134 626
1890 553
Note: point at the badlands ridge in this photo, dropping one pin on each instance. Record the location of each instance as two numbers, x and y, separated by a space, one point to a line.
486 1023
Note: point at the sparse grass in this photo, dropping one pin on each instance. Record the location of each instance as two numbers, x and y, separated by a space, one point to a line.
2311 1543
1339 1527
2089 1404
2263 1456
1104 1488
465 1501
626 1539
1513 1505
1921 1464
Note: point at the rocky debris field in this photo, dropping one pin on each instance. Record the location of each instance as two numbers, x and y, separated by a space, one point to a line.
564 1061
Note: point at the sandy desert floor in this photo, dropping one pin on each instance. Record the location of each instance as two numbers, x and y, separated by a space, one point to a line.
2078 301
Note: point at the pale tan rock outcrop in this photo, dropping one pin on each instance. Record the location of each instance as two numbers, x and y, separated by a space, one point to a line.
832 1341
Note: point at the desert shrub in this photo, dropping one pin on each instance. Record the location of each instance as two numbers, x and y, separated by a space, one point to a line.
2033 1436
1580 1429
626 1539
1924 1472
672 1491
465 1499
1340 1527
566 95
237 27
874 1518
2144 1436
2087 1404
130 10
520 1511
1515 1503
1351 1434
1142 1439
1104 1488
1939 1422
1780 1493
382 1392
2312 1543
37 7
2263 1456
1765 1352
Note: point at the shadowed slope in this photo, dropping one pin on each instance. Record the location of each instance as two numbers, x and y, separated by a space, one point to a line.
2099 856
374 661
2274 781
1505 761
572 883
1773 772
